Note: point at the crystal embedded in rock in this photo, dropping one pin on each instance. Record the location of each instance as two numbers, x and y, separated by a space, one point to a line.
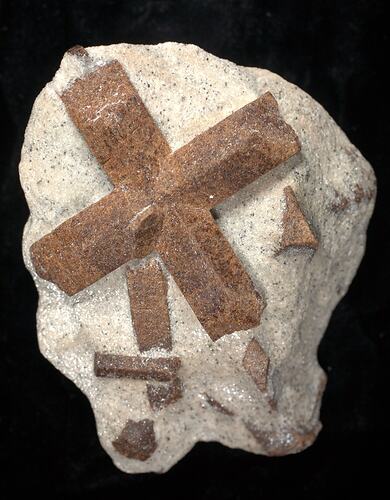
298 291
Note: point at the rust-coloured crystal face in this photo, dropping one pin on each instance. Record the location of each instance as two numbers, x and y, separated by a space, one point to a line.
137 440
296 230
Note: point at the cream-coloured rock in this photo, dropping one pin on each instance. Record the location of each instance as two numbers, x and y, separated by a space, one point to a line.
272 408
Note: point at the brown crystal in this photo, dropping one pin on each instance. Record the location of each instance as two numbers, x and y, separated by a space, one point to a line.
208 272
78 50
229 155
218 406
256 363
148 303
96 241
161 200
137 440
296 230
116 125
162 395
135 367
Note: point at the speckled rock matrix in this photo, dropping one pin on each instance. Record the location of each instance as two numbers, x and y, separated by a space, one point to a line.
298 231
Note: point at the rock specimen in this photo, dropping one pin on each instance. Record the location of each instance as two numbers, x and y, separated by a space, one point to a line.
193 224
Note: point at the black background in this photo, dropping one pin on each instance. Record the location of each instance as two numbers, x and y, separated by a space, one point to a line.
337 52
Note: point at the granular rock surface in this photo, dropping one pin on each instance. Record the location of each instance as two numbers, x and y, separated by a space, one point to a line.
298 231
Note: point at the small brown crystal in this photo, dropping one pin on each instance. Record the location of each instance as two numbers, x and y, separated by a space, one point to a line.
256 363
137 440
296 230
162 395
78 50
218 406
135 367
149 309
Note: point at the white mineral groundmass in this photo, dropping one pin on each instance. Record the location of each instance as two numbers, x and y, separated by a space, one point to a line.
259 390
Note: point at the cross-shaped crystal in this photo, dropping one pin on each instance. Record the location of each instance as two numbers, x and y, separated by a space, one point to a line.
161 199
